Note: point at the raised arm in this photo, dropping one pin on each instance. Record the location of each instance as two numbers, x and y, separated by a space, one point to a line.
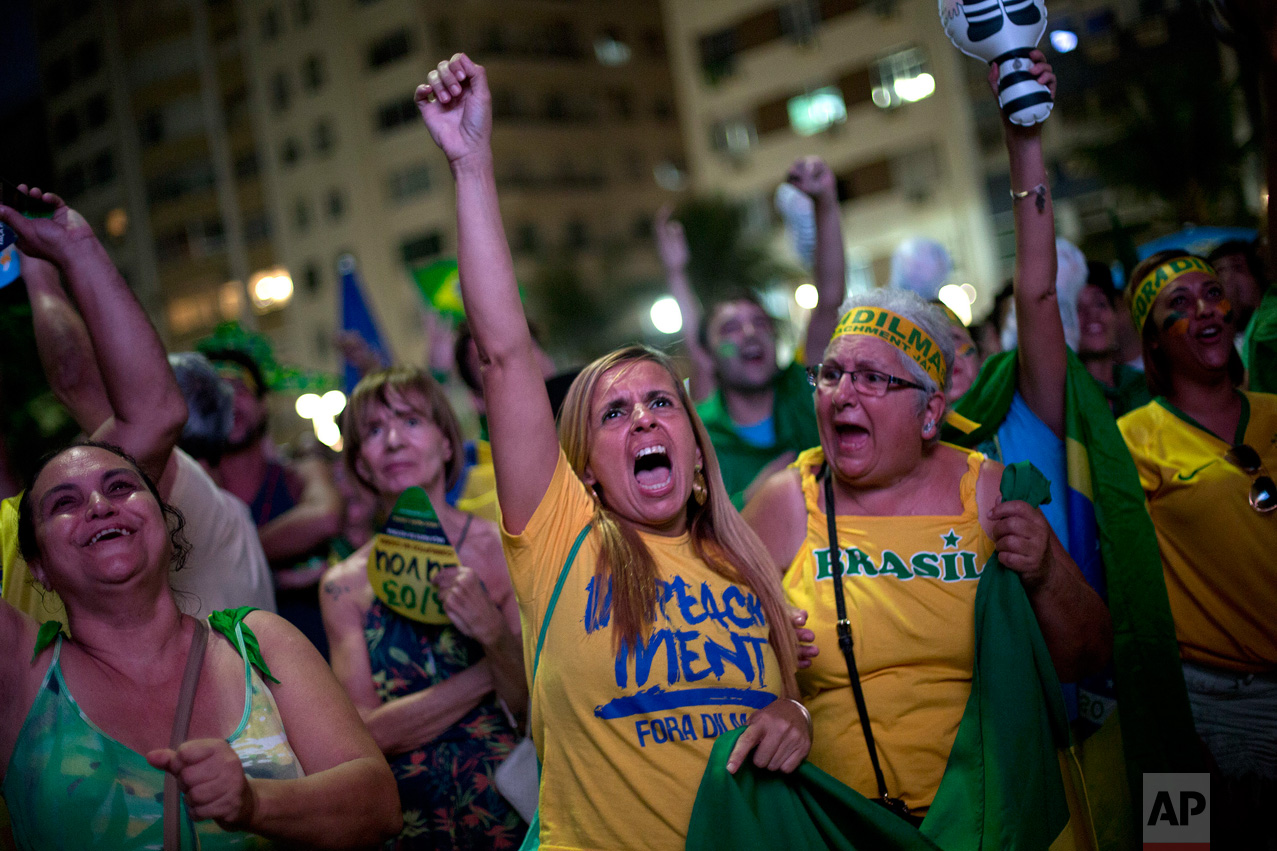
65 350
457 109
1041 354
671 246
829 268
147 410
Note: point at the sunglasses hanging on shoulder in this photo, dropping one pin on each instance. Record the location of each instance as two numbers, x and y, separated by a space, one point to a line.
1263 492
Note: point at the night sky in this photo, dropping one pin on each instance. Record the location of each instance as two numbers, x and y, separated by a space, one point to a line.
24 145
20 81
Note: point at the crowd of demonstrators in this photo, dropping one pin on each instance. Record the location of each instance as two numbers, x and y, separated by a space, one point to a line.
896 563
430 693
758 415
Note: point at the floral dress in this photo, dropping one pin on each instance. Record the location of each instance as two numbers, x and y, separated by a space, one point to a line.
446 786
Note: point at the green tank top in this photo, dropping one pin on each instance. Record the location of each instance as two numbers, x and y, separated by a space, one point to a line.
71 786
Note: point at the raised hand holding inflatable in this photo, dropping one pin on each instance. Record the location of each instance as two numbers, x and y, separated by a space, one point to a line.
1003 32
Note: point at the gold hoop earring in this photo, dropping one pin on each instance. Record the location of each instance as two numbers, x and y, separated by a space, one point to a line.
700 490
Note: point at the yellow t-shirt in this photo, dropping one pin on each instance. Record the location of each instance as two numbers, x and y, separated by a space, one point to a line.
1219 555
624 739
480 496
910 585
19 589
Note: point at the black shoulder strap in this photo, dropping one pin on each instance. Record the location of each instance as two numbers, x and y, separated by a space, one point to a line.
845 644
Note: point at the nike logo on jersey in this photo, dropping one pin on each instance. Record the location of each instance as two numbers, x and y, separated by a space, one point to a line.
1181 477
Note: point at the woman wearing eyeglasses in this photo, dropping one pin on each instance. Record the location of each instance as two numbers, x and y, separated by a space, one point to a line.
1205 451
915 521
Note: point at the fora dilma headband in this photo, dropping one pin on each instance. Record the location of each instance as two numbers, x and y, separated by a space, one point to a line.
899 332
1157 280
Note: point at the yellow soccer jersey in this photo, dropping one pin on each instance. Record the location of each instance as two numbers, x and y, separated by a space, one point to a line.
1219 555
910 585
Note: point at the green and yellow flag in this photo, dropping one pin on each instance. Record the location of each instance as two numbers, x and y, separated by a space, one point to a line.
1106 508
440 286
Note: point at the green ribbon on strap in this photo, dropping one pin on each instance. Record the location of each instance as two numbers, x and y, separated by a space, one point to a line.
226 621
49 631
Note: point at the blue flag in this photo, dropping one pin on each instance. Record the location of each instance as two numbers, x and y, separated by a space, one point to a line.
357 317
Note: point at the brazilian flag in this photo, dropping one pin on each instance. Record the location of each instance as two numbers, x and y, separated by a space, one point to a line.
440 286
1106 511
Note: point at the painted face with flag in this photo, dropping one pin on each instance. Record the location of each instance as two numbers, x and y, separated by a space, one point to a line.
1185 319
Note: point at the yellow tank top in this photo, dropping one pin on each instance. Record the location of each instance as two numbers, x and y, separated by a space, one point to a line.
910 585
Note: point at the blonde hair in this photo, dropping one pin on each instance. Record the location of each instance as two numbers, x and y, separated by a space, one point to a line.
408 383
719 536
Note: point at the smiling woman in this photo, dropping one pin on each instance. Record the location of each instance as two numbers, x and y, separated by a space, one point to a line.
1205 451
648 604
275 751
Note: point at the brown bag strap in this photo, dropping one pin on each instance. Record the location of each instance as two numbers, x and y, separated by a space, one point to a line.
181 725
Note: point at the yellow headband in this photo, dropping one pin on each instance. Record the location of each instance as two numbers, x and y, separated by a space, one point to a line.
899 332
1149 288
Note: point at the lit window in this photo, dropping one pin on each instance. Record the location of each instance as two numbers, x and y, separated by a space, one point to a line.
817 110
902 78
610 51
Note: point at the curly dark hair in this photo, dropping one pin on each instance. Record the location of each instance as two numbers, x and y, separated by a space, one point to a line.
174 519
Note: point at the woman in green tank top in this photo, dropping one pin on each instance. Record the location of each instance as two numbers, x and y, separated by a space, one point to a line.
274 749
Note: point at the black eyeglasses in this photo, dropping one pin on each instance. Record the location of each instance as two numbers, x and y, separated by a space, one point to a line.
868 382
1263 493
